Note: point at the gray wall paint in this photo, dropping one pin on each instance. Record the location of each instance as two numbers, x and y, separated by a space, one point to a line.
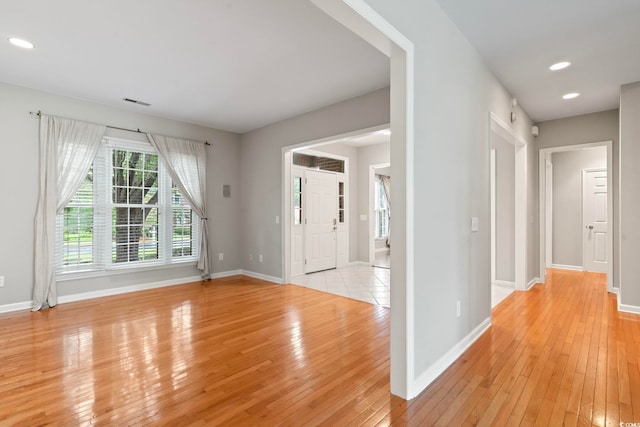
451 163
19 151
567 201
261 163
629 195
595 127
505 209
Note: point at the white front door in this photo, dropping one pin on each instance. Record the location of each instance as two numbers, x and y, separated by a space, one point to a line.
320 221
595 221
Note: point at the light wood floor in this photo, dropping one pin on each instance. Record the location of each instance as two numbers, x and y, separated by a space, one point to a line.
240 351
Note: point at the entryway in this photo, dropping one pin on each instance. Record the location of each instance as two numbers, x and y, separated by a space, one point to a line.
334 220
576 209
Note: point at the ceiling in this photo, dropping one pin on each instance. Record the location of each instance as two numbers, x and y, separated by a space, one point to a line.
239 65
235 65
520 40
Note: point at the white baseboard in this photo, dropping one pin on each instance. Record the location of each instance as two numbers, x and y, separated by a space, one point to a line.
568 267
628 308
505 284
427 377
354 263
126 289
532 282
8 308
261 276
226 274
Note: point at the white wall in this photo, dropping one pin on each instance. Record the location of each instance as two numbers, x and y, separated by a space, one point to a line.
567 202
595 127
19 177
261 159
629 196
453 96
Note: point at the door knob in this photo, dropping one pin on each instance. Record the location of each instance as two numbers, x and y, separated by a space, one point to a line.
589 227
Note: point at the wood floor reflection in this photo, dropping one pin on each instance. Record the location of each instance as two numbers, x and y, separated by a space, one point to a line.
240 351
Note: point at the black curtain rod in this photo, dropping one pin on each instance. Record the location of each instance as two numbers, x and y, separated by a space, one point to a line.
39 113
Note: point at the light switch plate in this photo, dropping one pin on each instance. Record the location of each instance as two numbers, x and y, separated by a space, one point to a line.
474 223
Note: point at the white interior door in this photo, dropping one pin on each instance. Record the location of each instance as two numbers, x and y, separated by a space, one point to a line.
320 221
595 221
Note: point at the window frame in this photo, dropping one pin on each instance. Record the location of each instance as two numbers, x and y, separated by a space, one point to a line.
103 248
379 209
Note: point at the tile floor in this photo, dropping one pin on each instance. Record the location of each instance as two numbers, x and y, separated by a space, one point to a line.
368 284
360 282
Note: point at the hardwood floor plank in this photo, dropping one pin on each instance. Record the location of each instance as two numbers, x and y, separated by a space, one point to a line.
240 351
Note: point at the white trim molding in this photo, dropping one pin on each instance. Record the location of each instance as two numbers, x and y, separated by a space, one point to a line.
568 267
18 306
624 308
504 284
126 289
449 357
261 276
534 282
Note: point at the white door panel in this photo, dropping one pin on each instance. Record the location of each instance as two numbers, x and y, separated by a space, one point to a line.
321 219
595 221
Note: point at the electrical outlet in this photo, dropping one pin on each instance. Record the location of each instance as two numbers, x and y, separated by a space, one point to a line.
220 256
458 309
250 257
1 281
261 259
277 219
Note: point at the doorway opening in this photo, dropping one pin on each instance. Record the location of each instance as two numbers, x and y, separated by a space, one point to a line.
508 207
576 208
327 218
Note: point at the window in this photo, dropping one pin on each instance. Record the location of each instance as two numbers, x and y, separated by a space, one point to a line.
341 202
297 200
381 210
126 213
77 222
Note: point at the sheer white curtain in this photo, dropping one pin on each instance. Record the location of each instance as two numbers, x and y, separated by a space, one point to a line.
186 162
386 185
67 149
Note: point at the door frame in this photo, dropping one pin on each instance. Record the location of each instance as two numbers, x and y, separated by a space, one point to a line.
499 128
308 147
492 201
372 220
287 200
544 154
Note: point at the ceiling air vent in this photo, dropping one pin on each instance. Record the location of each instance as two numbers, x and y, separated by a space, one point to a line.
135 101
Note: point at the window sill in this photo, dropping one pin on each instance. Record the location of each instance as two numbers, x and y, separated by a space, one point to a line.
113 271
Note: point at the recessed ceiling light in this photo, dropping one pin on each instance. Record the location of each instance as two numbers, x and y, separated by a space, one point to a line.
570 95
21 43
560 65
